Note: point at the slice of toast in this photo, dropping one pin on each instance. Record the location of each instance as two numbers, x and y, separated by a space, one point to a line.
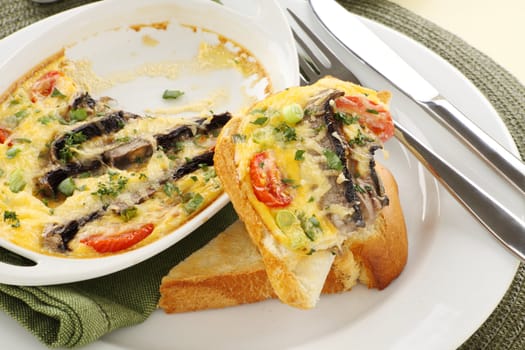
229 270
331 191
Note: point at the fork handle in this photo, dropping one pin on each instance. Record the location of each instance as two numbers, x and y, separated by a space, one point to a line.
486 147
505 225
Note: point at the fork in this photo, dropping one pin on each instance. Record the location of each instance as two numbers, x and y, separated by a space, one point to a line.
506 226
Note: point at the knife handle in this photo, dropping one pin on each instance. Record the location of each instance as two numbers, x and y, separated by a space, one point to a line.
505 225
512 168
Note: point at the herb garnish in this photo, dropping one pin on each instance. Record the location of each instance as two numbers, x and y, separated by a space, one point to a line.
192 201
66 153
299 154
78 115
361 139
11 218
333 160
311 226
169 188
128 213
57 93
172 94
46 119
113 187
345 118
286 131
12 152
260 121
16 181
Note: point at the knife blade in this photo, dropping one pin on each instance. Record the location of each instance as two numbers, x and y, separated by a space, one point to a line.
373 52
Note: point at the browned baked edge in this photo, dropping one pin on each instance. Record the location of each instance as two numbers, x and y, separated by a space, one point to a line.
215 292
383 256
15 85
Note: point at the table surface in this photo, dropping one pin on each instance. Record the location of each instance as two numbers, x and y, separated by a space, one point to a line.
493 27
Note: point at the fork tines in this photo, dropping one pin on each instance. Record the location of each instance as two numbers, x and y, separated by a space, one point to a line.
311 63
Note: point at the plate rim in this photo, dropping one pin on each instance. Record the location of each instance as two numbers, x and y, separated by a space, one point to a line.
109 345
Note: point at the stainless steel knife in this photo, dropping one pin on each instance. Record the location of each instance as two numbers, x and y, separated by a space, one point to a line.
373 52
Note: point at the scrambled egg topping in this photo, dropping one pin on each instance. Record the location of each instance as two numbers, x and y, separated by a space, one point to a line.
37 109
270 128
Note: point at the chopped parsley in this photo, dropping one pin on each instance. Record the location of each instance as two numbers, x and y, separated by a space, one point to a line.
345 118
311 226
260 121
66 153
288 181
57 93
128 213
169 189
333 160
112 188
11 218
286 132
359 189
361 139
299 154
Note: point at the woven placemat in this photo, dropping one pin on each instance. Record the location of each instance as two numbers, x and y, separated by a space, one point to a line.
504 329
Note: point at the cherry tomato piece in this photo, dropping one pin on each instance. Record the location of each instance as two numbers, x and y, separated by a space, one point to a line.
4 135
44 86
371 114
267 182
114 243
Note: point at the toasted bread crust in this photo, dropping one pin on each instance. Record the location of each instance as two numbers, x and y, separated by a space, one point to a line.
284 282
215 292
229 270
382 253
376 256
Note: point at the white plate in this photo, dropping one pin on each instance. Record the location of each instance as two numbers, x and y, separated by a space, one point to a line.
455 277
101 35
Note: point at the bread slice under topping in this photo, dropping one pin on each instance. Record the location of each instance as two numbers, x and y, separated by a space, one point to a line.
229 270
300 172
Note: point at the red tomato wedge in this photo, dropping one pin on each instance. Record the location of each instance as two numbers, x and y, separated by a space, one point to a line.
371 114
4 135
267 182
44 86
114 243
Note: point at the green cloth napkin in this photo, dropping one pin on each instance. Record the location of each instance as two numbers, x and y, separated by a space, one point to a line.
72 315
75 314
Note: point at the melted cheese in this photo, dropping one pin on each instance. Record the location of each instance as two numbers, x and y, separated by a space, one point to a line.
34 124
310 176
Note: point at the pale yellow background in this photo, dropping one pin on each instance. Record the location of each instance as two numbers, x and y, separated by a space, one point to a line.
495 27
